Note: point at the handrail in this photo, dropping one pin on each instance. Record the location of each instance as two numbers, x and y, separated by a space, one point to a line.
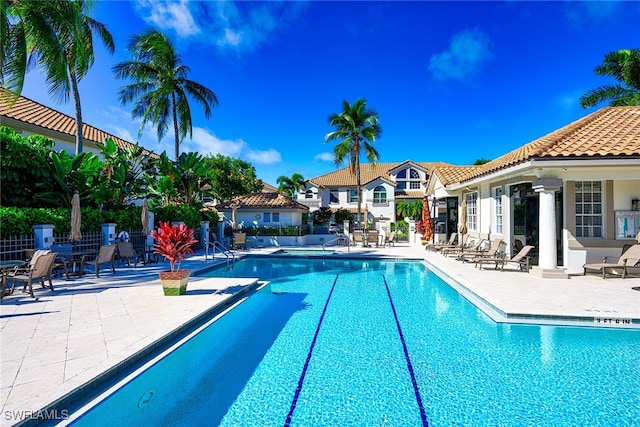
223 250
337 239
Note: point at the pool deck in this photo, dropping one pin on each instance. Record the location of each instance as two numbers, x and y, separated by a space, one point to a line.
61 341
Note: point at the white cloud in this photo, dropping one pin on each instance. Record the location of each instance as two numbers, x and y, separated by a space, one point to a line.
325 157
468 52
230 38
264 157
173 15
583 14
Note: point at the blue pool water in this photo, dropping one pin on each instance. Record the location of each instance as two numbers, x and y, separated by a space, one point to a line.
343 342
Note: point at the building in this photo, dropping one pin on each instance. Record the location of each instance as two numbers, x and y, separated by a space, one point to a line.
573 193
29 117
384 185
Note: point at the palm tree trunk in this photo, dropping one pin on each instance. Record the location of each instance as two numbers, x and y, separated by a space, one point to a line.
358 189
76 99
175 125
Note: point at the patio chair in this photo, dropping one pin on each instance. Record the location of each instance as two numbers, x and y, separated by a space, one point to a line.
389 239
60 265
459 249
106 255
462 243
240 239
469 255
522 259
126 252
373 237
629 258
435 247
358 237
41 269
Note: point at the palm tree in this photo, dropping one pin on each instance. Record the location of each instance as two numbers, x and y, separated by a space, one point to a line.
624 66
356 128
290 186
58 36
160 87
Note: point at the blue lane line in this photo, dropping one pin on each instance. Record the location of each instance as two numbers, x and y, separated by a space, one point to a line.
416 389
287 423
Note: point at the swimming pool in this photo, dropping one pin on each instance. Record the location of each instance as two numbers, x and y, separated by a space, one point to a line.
347 342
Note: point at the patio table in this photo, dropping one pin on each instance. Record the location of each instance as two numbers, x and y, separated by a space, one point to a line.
5 267
76 260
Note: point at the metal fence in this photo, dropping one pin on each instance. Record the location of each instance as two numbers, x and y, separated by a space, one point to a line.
12 248
91 240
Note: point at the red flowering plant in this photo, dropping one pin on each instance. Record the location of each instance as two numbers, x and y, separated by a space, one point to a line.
173 242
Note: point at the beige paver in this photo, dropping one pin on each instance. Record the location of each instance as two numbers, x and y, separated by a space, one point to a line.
55 343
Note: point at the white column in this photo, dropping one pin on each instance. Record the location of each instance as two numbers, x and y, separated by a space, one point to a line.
547 253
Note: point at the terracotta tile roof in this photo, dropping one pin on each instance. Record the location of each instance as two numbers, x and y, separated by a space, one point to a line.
611 132
262 200
409 194
368 172
268 188
36 114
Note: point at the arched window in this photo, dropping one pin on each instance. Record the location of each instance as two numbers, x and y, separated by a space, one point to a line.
379 194
308 194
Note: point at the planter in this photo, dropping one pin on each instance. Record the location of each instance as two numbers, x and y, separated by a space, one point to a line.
174 282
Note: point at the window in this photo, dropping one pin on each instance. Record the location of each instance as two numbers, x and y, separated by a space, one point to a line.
333 196
275 217
308 194
497 196
379 195
588 209
408 179
266 217
472 211
353 196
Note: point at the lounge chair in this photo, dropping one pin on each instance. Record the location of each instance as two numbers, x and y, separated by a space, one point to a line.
469 248
474 255
389 239
435 247
358 237
126 252
373 237
629 258
41 269
521 259
462 243
106 255
240 239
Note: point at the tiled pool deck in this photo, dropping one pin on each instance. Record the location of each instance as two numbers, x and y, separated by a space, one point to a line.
60 341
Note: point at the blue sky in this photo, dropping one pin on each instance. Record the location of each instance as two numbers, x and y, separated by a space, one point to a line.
451 81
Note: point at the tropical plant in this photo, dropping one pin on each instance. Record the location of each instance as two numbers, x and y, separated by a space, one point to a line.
624 66
289 186
173 242
230 177
342 215
64 175
356 128
406 209
322 216
189 177
124 176
60 35
160 87
21 160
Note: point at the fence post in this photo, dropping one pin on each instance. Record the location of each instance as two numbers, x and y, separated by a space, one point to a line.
204 234
44 235
108 232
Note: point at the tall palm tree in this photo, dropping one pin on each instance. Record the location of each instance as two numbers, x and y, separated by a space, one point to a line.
160 87
624 66
356 128
57 35
289 186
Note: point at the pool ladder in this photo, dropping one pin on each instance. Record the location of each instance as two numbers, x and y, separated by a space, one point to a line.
224 251
339 238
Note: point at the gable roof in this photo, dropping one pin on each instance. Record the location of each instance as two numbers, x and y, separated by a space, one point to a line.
368 172
26 110
611 132
262 200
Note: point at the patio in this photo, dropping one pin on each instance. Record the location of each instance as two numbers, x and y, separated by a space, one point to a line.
59 342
